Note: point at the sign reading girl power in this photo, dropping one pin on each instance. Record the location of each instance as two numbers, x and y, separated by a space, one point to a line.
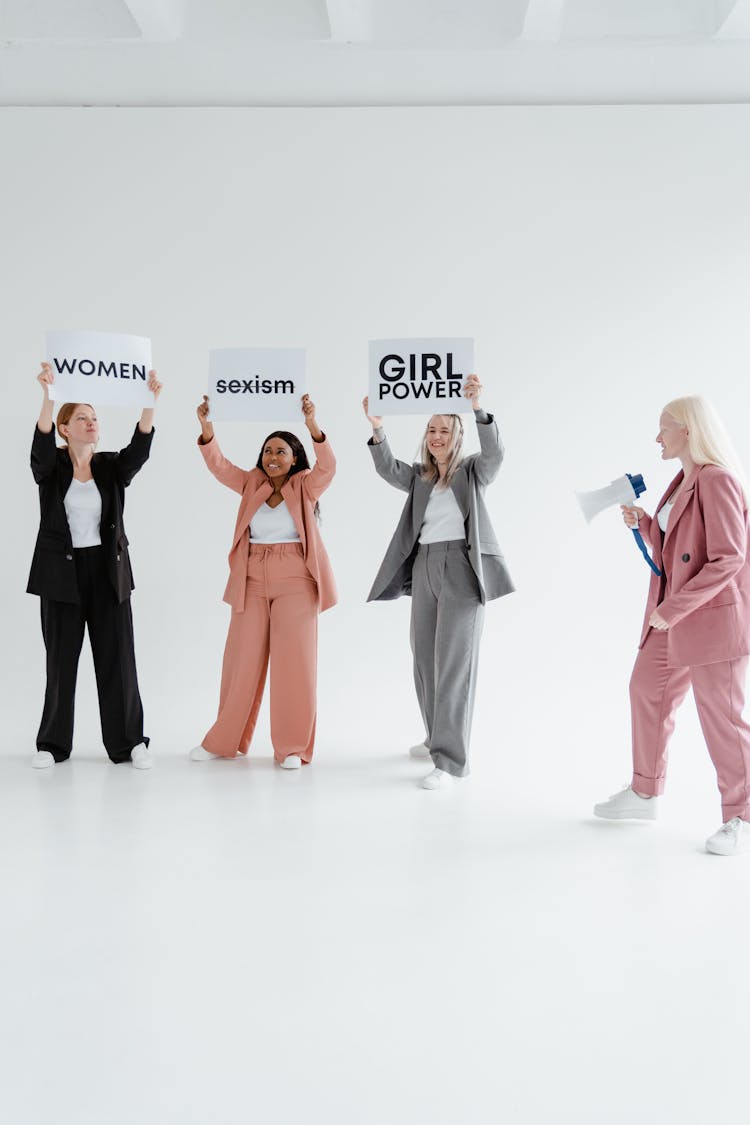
101 367
421 376
256 384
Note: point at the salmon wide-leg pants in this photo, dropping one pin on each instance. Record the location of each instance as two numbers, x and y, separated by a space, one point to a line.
656 691
280 625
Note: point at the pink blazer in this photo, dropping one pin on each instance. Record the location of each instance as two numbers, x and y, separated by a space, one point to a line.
300 492
707 571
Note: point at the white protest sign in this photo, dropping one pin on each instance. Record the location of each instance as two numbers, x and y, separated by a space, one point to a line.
102 367
420 376
256 384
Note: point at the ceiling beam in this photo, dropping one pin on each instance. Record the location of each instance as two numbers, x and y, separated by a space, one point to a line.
543 23
160 21
350 20
737 23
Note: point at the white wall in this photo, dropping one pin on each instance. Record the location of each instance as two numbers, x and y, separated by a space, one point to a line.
600 258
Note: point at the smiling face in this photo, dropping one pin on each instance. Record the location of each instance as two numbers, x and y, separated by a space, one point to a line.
440 437
277 459
672 437
82 427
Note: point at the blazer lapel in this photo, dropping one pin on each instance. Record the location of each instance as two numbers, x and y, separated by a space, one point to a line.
251 501
65 472
460 489
296 509
681 503
421 494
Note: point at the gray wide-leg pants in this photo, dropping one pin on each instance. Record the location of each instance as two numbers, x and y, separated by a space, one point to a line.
446 626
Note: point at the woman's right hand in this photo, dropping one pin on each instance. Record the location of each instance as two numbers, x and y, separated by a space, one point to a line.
632 514
375 421
46 378
202 411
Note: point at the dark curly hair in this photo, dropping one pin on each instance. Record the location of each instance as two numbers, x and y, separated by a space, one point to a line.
298 452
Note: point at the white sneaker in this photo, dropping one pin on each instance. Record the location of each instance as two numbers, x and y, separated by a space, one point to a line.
420 751
731 838
291 762
198 754
627 805
42 760
438 779
140 757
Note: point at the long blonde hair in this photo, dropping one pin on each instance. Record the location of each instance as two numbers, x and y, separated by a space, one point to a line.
430 471
708 441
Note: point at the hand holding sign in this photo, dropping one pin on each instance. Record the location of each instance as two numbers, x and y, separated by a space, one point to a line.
374 419
308 409
472 391
207 427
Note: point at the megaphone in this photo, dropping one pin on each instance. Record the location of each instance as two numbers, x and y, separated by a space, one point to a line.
624 490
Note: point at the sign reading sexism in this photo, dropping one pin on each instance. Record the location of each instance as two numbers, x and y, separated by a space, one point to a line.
420 376
256 384
99 367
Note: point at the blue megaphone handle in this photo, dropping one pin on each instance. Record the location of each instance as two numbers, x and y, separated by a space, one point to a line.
644 550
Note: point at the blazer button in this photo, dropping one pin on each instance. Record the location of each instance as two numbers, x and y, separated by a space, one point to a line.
118 558
686 558
111 527
468 546
69 558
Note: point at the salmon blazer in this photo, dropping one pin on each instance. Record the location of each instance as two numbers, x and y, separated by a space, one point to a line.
301 492
704 555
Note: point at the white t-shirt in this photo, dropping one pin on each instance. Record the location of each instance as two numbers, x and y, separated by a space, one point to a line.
273 525
442 518
663 514
83 507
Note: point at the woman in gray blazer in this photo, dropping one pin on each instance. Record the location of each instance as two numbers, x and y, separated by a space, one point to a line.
444 553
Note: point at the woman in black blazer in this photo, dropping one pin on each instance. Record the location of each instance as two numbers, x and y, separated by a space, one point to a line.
81 571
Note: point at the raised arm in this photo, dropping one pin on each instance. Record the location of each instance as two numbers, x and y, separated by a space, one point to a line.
490 458
396 473
43 451
135 454
146 423
225 472
324 469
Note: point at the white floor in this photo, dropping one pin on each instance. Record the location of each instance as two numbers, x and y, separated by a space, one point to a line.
231 942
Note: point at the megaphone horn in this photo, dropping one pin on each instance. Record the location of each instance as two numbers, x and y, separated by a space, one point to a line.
624 490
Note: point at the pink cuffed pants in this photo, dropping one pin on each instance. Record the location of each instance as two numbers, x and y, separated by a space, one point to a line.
656 691
280 622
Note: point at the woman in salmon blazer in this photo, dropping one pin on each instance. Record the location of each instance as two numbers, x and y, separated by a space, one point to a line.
696 630
280 579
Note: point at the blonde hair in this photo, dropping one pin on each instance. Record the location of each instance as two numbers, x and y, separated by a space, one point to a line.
708 441
430 471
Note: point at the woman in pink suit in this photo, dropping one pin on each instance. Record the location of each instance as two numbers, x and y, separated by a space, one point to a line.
696 630
280 579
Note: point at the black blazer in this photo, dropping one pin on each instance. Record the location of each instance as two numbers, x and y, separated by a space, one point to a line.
53 572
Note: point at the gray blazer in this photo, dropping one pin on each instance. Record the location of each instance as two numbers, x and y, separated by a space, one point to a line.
473 475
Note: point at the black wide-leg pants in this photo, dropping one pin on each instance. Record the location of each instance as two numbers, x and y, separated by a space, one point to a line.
110 626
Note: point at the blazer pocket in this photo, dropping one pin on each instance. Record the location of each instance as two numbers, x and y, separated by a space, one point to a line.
728 596
51 541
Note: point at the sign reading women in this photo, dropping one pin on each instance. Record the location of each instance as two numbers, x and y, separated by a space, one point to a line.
420 376
100 367
256 384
